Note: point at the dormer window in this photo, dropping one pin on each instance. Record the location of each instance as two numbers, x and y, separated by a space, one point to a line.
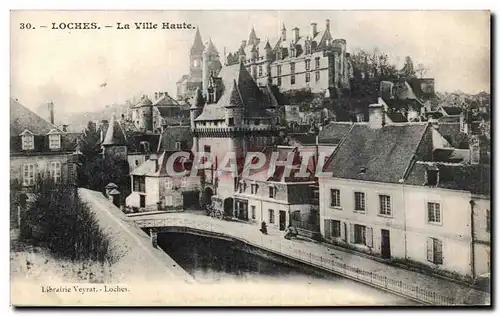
28 140
177 145
144 145
54 139
432 177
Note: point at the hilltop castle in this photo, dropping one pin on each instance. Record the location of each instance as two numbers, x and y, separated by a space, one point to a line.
315 61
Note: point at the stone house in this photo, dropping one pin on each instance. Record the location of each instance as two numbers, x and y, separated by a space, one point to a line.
379 198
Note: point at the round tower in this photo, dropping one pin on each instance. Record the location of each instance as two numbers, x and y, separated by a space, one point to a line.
146 113
196 106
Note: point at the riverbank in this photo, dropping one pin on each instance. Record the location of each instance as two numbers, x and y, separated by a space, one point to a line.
138 265
413 284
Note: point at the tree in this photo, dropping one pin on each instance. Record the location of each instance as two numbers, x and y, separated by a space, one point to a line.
421 70
91 169
408 70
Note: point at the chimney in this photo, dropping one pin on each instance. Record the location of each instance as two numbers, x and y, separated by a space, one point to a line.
244 43
104 129
376 117
314 29
65 128
51 111
295 32
205 72
165 93
156 96
327 24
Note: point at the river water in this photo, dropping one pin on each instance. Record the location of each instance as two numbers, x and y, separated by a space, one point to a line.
215 261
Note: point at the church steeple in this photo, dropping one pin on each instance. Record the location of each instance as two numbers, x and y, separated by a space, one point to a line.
197 47
252 39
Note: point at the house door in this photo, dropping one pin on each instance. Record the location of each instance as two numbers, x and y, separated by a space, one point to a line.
142 201
385 246
282 220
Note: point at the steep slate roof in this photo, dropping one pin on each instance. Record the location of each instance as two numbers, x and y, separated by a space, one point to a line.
197 46
384 153
115 134
396 117
22 118
451 155
451 132
174 134
166 100
334 132
239 89
210 48
452 110
471 178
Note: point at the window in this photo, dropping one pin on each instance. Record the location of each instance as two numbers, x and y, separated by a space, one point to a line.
55 141
336 229
308 76
139 184
184 182
308 49
432 177
242 187
177 145
252 211
29 174
292 52
55 171
360 234
272 192
231 121
488 221
359 201
168 200
317 76
271 216
317 62
278 69
335 198
308 65
168 184
257 122
279 81
292 68
136 163
28 142
433 212
260 71
434 250
385 204
254 188
144 146
292 79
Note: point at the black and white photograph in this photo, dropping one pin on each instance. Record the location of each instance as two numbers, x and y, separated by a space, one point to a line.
250 158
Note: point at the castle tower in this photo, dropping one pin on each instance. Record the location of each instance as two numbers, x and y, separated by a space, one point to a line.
211 65
283 33
196 106
196 56
146 114
114 144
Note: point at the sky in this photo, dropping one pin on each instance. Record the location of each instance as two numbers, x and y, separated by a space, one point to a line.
69 66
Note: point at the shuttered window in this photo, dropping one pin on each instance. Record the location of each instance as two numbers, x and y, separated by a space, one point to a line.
336 229
328 228
434 250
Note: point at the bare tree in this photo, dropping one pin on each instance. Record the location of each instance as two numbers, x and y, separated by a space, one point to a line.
421 70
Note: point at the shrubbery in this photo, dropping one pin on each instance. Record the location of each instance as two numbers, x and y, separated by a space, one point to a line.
61 222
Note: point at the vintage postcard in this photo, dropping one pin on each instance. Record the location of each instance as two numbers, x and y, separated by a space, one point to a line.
250 158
